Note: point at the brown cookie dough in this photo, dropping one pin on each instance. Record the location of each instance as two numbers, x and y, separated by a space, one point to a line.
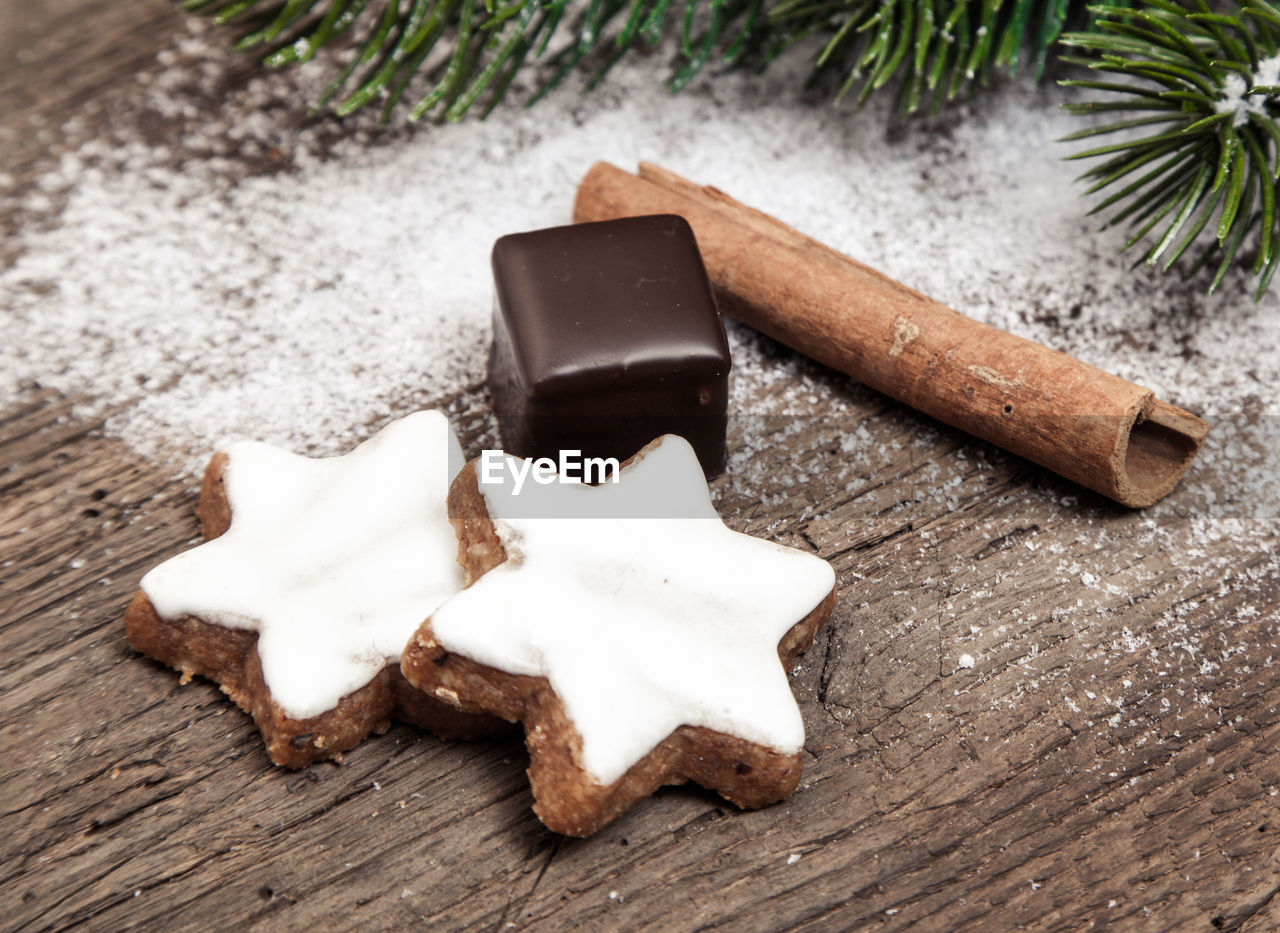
229 657
567 797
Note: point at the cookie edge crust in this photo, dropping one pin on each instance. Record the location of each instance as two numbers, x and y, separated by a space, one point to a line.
566 797
229 657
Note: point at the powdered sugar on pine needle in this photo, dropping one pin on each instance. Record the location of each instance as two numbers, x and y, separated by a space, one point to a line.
246 278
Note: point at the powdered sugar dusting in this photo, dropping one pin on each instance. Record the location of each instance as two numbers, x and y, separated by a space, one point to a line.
244 277
1236 97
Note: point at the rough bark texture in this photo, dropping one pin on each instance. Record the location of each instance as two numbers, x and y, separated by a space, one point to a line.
1110 758
1097 429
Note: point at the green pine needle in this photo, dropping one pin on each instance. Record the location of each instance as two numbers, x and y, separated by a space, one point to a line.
1195 90
1207 80
470 50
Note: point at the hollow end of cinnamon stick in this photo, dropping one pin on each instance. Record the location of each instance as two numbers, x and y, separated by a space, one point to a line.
1085 424
1159 448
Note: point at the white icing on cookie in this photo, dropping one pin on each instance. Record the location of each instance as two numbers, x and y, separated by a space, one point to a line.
650 615
335 563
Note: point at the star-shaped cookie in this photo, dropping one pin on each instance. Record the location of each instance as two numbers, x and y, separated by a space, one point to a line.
313 576
639 640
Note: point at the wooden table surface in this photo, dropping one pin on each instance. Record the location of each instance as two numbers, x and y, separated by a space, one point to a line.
1109 759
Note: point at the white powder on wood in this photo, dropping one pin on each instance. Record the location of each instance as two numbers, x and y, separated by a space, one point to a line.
243 277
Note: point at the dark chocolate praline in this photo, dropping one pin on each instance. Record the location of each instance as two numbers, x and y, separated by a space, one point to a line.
605 336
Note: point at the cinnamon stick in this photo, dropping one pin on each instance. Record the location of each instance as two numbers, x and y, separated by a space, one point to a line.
1092 427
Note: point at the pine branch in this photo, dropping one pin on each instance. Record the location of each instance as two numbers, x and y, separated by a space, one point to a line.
932 49
471 50
1199 97
1194 90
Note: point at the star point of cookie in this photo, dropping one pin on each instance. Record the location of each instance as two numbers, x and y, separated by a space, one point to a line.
639 640
315 575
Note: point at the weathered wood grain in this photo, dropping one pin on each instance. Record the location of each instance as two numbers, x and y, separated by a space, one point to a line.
934 796
1108 760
